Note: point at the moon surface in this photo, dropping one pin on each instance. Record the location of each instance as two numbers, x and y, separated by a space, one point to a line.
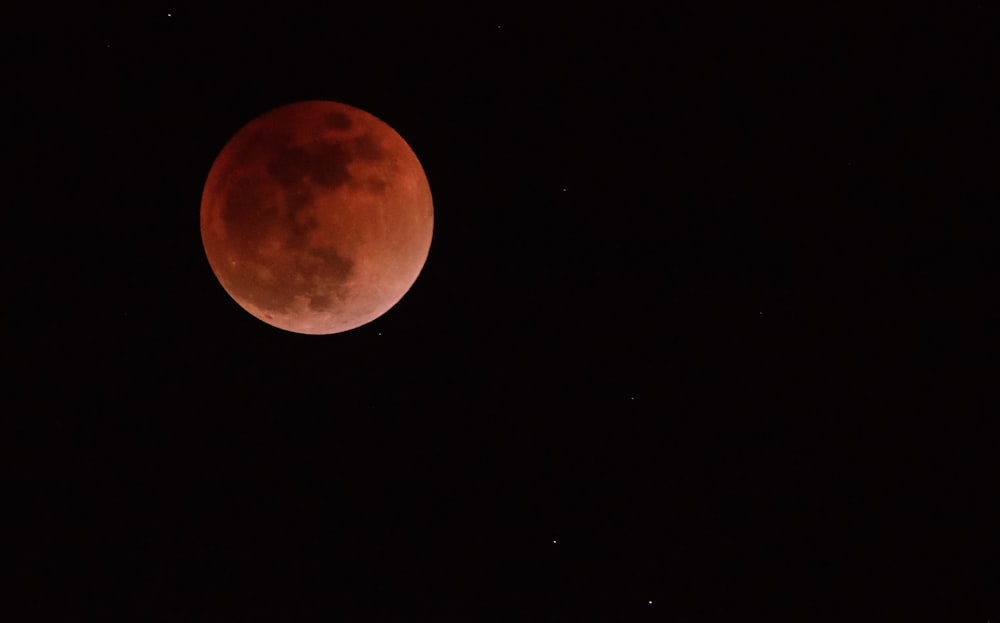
317 217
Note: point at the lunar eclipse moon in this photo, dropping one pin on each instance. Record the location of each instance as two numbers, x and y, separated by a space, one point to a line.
317 217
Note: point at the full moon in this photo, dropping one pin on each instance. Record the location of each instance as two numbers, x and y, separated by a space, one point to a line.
316 217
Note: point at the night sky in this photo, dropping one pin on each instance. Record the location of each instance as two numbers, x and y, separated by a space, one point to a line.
708 331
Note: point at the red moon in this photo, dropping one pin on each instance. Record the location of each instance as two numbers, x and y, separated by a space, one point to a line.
317 217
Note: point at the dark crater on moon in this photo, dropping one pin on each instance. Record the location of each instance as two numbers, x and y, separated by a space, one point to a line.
337 121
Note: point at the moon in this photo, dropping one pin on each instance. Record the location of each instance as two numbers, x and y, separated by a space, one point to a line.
317 217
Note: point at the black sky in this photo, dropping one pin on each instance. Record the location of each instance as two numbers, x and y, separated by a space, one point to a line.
710 319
